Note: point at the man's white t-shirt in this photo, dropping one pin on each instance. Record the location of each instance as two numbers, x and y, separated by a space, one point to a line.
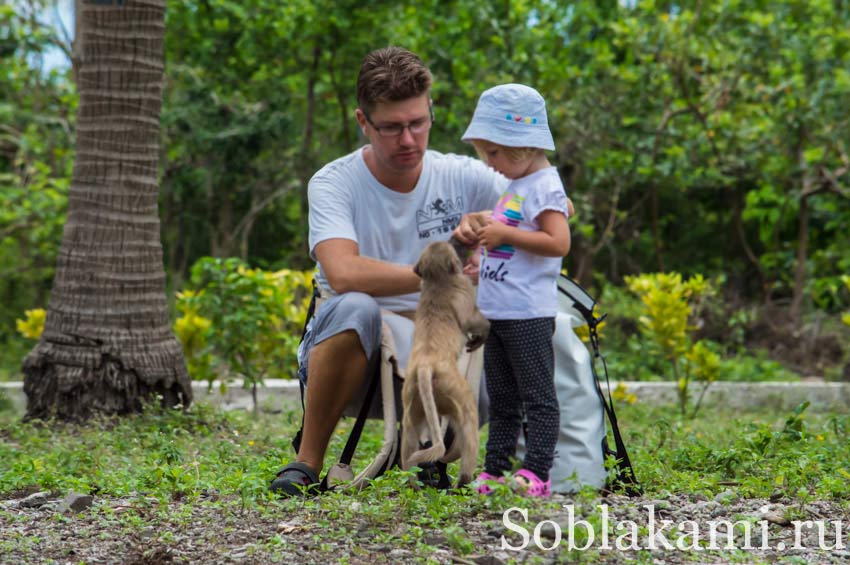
346 201
514 284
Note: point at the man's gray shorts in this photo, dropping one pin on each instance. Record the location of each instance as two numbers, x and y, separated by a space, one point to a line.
360 312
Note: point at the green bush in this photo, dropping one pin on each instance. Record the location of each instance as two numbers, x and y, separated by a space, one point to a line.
238 321
755 367
666 324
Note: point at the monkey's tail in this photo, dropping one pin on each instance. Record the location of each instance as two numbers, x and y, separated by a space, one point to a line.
425 381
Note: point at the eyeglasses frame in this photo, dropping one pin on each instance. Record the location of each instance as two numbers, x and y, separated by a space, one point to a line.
403 126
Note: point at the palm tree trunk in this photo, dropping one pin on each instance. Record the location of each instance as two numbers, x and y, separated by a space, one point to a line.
107 344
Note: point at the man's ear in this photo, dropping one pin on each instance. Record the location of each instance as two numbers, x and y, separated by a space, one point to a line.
360 116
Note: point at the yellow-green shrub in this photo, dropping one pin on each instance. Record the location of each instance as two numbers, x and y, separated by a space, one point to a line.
242 321
33 323
666 322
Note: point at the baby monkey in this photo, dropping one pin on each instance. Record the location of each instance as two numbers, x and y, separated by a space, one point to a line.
447 319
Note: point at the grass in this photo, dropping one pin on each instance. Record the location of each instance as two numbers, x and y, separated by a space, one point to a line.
797 454
224 461
173 454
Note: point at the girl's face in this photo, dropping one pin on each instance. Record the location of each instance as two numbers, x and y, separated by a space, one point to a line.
496 156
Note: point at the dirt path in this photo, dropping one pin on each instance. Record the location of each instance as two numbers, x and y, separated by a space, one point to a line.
35 529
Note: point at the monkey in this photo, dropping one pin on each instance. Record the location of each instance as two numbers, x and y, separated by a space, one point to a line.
446 320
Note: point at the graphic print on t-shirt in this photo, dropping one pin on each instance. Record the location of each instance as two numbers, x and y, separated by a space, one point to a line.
507 211
439 216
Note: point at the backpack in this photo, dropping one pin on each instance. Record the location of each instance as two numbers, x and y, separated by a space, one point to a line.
622 476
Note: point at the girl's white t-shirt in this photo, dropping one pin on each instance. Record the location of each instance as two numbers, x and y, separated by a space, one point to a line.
514 284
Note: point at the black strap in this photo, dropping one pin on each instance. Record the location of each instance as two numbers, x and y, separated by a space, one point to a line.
625 479
354 436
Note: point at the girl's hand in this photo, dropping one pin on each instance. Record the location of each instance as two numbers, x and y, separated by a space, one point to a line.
472 266
469 226
493 234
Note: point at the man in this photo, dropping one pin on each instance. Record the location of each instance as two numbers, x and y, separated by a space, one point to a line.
372 212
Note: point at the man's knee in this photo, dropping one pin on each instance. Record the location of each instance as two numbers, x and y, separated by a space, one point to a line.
352 312
359 306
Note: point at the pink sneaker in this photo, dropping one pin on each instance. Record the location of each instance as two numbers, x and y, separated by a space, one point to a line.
480 483
529 484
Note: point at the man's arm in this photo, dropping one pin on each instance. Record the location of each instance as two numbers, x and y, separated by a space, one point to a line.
348 271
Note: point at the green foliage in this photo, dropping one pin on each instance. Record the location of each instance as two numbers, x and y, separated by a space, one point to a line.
681 152
846 317
625 346
37 112
794 455
668 305
621 342
666 322
172 454
259 96
755 367
704 363
242 321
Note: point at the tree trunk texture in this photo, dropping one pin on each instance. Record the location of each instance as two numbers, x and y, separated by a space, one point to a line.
654 214
306 141
107 344
802 258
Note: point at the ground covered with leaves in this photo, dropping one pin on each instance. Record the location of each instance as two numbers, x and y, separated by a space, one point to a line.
191 488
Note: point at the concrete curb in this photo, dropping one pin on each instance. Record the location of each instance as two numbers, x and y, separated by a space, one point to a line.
281 395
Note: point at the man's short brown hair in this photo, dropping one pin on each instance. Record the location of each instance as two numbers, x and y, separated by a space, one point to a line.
391 74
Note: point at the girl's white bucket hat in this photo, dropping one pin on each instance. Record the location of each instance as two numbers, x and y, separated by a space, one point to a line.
513 115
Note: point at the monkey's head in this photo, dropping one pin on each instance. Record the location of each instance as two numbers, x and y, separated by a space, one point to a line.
437 261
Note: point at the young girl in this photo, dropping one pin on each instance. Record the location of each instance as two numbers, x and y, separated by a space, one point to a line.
522 242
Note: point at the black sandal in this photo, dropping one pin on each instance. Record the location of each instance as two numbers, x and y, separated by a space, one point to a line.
296 479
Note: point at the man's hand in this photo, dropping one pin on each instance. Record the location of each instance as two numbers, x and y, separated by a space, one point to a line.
493 234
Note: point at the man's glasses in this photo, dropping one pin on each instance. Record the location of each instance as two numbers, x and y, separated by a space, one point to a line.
394 130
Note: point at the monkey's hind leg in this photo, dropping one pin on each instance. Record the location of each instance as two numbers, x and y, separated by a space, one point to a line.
465 424
424 379
469 447
409 436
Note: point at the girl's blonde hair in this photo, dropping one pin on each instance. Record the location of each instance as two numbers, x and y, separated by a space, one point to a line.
513 153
